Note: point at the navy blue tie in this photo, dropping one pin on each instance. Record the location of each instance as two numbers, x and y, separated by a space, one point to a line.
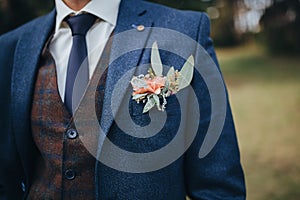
78 70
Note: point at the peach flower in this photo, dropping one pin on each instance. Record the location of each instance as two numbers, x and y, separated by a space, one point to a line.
154 86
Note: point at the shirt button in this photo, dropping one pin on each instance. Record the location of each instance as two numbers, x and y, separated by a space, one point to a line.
72 134
69 174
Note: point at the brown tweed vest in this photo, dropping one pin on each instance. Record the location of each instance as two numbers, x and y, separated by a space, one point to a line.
66 168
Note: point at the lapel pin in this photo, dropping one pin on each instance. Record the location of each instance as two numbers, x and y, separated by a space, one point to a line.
138 27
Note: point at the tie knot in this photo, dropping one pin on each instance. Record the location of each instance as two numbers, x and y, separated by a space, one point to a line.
80 24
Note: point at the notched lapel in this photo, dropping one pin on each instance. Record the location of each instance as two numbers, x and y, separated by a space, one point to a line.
126 52
25 65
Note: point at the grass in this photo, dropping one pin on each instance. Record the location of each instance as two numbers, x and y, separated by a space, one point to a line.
265 98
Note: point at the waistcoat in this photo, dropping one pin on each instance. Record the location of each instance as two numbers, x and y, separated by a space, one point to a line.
66 168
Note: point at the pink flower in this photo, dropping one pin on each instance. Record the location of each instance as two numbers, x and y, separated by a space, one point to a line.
154 86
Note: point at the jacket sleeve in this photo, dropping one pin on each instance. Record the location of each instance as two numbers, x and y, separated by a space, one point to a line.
219 175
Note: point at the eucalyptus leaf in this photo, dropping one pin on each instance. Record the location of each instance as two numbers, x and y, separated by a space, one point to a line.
137 96
139 83
156 61
150 104
186 73
167 85
157 102
171 73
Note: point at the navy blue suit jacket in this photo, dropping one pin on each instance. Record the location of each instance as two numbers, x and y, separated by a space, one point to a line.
218 175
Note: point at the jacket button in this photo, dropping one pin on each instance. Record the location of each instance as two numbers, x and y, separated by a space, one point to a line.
72 134
23 186
69 174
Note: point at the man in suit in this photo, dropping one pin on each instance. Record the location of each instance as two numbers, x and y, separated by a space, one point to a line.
43 155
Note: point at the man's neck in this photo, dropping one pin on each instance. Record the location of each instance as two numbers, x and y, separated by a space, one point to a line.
76 5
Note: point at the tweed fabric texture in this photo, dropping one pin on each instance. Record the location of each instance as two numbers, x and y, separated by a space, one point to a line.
217 176
51 122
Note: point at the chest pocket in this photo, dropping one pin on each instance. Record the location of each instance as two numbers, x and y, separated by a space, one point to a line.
172 112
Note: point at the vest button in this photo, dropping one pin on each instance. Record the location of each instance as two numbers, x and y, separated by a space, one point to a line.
72 134
69 174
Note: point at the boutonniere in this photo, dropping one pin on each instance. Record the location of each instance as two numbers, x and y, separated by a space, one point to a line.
154 88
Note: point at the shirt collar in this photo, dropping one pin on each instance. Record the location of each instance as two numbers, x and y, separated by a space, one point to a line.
106 10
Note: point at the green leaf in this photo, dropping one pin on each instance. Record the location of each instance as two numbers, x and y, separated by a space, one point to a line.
157 102
156 61
138 82
150 104
171 74
186 73
137 96
167 85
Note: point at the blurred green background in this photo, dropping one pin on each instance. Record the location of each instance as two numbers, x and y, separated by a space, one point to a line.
258 46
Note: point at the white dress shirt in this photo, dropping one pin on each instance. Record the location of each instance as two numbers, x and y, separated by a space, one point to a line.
96 38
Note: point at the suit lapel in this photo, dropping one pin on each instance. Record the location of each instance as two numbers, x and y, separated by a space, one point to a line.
25 65
130 16
27 55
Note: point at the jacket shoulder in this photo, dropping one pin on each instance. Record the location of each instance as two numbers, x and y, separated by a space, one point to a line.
161 11
185 21
165 10
13 36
